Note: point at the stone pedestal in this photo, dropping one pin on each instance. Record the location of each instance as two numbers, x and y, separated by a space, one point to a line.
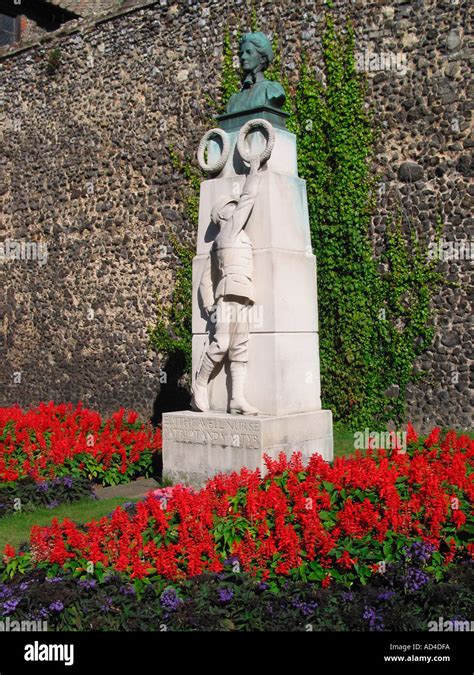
283 379
200 445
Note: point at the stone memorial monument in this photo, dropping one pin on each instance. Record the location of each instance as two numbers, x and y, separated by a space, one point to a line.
255 380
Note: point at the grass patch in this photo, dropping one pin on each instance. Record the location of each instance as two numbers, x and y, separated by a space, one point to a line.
15 528
343 442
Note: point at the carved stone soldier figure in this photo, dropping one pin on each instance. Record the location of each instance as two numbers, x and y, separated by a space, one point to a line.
231 261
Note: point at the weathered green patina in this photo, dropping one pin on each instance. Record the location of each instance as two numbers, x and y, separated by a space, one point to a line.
256 54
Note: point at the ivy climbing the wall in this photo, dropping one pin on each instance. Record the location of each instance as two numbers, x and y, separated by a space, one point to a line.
373 325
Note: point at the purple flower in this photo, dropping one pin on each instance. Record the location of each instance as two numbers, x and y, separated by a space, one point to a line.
231 561
127 590
53 580
374 619
347 596
5 591
42 613
415 579
420 551
42 487
386 595
68 481
106 605
263 586
225 594
169 599
87 583
56 606
24 586
306 608
10 606
52 504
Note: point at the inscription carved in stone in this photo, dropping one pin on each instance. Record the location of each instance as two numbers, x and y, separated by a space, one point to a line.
237 433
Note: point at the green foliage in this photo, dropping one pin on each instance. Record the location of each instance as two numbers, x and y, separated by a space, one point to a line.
190 193
369 337
254 23
53 61
230 81
373 324
334 142
406 326
113 474
172 333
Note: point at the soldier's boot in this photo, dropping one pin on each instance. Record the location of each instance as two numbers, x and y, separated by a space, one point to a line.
200 396
238 404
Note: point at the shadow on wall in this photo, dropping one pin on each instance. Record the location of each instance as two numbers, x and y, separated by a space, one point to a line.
173 395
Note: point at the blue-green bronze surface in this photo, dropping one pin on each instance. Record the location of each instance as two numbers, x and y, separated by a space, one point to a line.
256 54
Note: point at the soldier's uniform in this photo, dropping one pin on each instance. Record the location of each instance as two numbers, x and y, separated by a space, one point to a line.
231 258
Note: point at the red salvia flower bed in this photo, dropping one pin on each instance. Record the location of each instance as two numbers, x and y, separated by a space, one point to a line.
321 522
55 440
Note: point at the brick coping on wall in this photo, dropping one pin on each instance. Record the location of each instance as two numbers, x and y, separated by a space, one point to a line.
82 25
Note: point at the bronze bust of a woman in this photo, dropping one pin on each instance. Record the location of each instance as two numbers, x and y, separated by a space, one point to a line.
256 54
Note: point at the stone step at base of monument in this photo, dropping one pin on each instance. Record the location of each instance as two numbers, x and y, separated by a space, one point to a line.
197 446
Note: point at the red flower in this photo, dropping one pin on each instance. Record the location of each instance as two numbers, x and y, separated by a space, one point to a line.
9 551
280 524
458 518
38 441
345 561
326 582
412 436
433 438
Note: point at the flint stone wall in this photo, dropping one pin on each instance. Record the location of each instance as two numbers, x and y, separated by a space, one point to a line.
89 175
